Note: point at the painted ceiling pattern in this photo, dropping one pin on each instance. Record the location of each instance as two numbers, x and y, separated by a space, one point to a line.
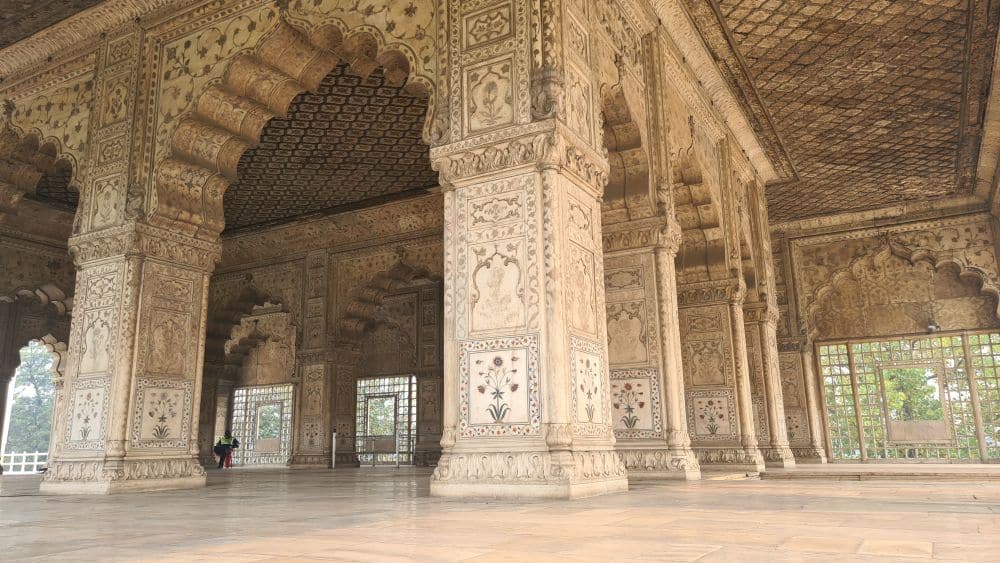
867 96
54 187
354 140
23 18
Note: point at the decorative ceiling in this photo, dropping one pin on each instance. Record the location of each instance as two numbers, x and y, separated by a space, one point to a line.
22 18
868 96
54 188
354 141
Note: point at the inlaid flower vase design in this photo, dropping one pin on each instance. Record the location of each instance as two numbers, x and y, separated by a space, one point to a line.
497 380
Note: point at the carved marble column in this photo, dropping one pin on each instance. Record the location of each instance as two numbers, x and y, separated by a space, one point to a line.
312 443
427 451
527 410
717 379
647 382
761 322
217 389
133 382
816 452
345 406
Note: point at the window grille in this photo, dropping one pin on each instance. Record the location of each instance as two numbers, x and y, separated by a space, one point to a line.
262 422
913 398
386 420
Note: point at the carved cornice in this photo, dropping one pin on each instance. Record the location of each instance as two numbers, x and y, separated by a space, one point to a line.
146 241
694 63
66 35
883 217
632 235
728 291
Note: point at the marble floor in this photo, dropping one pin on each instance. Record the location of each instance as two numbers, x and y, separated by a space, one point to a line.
386 515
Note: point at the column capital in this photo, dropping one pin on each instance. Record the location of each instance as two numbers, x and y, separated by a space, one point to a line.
138 239
670 236
760 312
730 291
538 145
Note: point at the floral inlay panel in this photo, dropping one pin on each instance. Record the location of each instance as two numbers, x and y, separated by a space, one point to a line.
159 419
635 403
712 415
589 389
88 407
499 387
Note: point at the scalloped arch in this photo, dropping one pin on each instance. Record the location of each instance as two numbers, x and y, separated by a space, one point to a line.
364 312
229 116
986 285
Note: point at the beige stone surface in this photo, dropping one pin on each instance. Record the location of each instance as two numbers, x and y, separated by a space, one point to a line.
387 515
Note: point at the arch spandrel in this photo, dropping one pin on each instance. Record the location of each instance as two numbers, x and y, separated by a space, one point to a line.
897 290
199 146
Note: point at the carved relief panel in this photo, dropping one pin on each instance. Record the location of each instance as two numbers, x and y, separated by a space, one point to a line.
706 346
636 403
499 387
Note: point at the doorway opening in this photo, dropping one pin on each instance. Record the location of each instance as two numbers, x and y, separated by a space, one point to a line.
386 420
913 398
262 422
28 412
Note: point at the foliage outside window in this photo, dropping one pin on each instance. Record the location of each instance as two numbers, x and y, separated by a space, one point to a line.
33 396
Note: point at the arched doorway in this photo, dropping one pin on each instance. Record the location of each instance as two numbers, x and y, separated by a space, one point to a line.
33 394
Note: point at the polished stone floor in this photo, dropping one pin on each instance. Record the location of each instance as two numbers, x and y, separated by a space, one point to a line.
386 515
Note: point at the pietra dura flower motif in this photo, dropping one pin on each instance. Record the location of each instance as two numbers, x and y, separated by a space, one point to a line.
712 415
162 408
629 398
496 381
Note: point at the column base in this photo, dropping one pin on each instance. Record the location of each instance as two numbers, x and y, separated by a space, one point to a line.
809 455
102 477
660 462
748 460
531 474
426 458
347 460
778 457
311 461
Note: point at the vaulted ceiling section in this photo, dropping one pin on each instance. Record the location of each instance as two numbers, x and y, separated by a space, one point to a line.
355 141
875 102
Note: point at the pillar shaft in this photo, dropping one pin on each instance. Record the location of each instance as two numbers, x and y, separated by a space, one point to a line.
817 449
133 382
761 321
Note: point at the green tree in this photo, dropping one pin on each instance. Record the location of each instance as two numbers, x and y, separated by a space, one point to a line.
912 394
33 395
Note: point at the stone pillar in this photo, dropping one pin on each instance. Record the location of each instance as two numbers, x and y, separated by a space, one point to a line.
216 401
312 442
133 383
717 380
647 383
816 452
527 410
761 322
427 451
345 405
678 438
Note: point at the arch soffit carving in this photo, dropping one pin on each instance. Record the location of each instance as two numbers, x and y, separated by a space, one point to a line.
26 156
228 116
937 261
45 294
224 321
364 313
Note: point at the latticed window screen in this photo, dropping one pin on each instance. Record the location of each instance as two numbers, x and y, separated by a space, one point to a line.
386 420
262 422
910 399
985 352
